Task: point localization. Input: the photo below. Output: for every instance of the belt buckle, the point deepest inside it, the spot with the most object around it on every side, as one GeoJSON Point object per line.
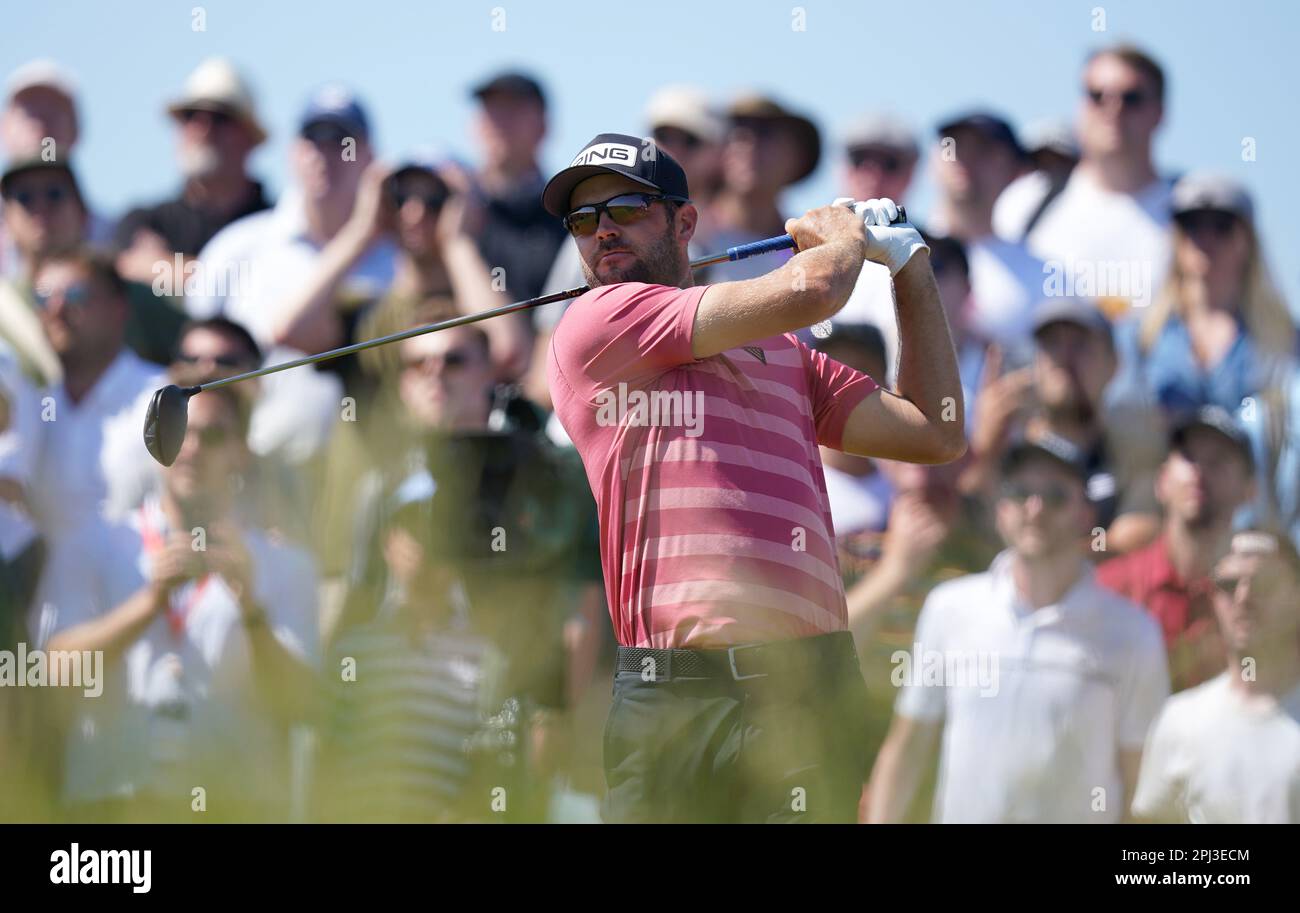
{"type": "Point", "coordinates": [731, 658]}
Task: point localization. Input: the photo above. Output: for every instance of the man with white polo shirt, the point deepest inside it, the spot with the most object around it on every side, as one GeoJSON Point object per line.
{"type": "Point", "coordinates": [737, 694]}
{"type": "Point", "coordinates": [208, 632]}
{"type": "Point", "coordinates": [1105, 229]}
{"type": "Point", "coordinates": [1228, 751]}
{"type": "Point", "coordinates": [83, 308]}
{"type": "Point", "coordinates": [1034, 684]}
{"type": "Point", "coordinates": [253, 265]}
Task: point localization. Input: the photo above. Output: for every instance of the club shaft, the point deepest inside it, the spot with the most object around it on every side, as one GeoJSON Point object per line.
{"type": "Point", "coordinates": [734, 253]}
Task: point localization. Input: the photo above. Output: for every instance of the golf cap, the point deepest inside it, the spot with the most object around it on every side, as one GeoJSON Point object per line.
{"type": "Point", "coordinates": [1078, 311]}
{"type": "Point", "coordinates": [215, 85]}
{"type": "Point", "coordinates": [685, 108]}
{"type": "Point", "coordinates": [638, 159]}
{"type": "Point", "coordinates": [335, 105]}
{"type": "Point", "coordinates": [1217, 419]}
{"type": "Point", "coordinates": [881, 130]}
{"type": "Point", "coordinates": [990, 125]}
{"type": "Point", "coordinates": [1048, 445]}
{"type": "Point", "coordinates": [1202, 190]}
{"type": "Point", "coordinates": [520, 85]}
{"type": "Point", "coordinates": [36, 163]}
{"type": "Point", "coordinates": [43, 73]}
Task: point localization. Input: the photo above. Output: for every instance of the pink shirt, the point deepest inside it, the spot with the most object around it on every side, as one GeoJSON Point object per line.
{"type": "Point", "coordinates": [714, 521]}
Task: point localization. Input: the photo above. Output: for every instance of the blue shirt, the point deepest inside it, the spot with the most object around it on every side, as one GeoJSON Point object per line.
{"type": "Point", "coordinates": [1170, 375]}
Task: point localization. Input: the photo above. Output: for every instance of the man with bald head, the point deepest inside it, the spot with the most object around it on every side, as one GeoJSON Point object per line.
{"type": "Point", "coordinates": [698, 414]}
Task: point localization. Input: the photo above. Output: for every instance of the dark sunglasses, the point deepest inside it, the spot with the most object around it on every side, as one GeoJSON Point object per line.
{"type": "Point", "coordinates": [324, 134]}
{"type": "Point", "coordinates": [887, 162]}
{"type": "Point", "coordinates": [1054, 496]}
{"type": "Point", "coordinates": [76, 295]}
{"type": "Point", "coordinates": [216, 118]}
{"type": "Point", "coordinates": [27, 198]}
{"type": "Point", "coordinates": [1128, 100]}
{"type": "Point", "coordinates": [1207, 221]}
{"type": "Point", "coordinates": [624, 209]}
{"type": "Point", "coordinates": [677, 137]}
{"type": "Point", "coordinates": [221, 361]}
{"type": "Point", "coordinates": [456, 358]}
{"type": "Point", "coordinates": [433, 200]}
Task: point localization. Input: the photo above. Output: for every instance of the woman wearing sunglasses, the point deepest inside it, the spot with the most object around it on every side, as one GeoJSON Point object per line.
{"type": "Point", "coordinates": [1219, 330]}
{"type": "Point", "coordinates": [431, 212]}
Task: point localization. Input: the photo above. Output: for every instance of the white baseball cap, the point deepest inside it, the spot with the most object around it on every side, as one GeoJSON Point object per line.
{"type": "Point", "coordinates": [215, 85]}
{"type": "Point", "coordinates": [44, 73]}
{"type": "Point", "coordinates": [686, 108]}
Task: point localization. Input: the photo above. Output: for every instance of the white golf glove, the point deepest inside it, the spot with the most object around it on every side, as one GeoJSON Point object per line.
{"type": "Point", "coordinates": [889, 245]}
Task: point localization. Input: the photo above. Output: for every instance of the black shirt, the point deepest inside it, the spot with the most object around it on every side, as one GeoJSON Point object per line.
{"type": "Point", "coordinates": [183, 226]}
{"type": "Point", "coordinates": [521, 236]}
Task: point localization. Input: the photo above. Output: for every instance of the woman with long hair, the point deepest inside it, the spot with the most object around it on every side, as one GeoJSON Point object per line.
{"type": "Point", "coordinates": [1219, 331]}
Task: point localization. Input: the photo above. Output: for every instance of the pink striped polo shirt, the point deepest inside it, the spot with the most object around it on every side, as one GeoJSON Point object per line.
{"type": "Point", "coordinates": [714, 522]}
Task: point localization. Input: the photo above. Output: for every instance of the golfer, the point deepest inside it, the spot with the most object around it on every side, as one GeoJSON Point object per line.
{"type": "Point", "coordinates": [697, 413]}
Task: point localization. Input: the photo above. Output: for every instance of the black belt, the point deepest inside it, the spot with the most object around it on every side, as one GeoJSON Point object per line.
{"type": "Point", "coordinates": [738, 663]}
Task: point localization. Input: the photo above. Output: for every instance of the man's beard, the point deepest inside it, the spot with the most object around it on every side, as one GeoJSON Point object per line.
{"type": "Point", "coordinates": [199, 162]}
{"type": "Point", "coordinates": [661, 264]}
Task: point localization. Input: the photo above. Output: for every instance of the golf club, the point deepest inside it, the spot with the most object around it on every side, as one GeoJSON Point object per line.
{"type": "Point", "coordinates": [168, 414]}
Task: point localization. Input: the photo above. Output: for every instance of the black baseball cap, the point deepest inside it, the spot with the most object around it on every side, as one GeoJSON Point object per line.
{"type": "Point", "coordinates": [1217, 419]}
{"type": "Point", "coordinates": [989, 124]}
{"type": "Point", "coordinates": [1049, 445]}
{"type": "Point", "coordinates": [36, 163]}
{"type": "Point", "coordinates": [518, 84]}
{"type": "Point", "coordinates": [633, 157]}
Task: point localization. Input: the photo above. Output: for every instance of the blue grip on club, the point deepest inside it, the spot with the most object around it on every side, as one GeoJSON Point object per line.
{"type": "Point", "coordinates": [781, 242]}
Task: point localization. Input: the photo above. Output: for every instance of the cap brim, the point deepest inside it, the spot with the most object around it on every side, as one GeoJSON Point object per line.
{"type": "Point", "coordinates": [34, 165]}
{"type": "Point", "coordinates": [352, 128]}
{"type": "Point", "coordinates": [555, 196]}
{"type": "Point", "coordinates": [1019, 453]}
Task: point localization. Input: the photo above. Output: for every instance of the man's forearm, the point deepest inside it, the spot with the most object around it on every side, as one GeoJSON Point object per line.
{"type": "Point", "coordinates": [927, 369]}
{"type": "Point", "coordinates": [116, 630]}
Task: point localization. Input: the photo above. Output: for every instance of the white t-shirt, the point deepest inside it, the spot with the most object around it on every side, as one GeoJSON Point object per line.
{"type": "Point", "coordinates": [872, 303]}
{"type": "Point", "coordinates": [1032, 733]}
{"type": "Point", "coordinates": [1096, 242]}
{"type": "Point", "coordinates": [250, 268]}
{"type": "Point", "coordinates": [857, 502]}
{"type": "Point", "coordinates": [88, 448]}
{"type": "Point", "coordinates": [1006, 284]}
{"type": "Point", "coordinates": [177, 710]}
{"type": "Point", "coordinates": [1219, 756]}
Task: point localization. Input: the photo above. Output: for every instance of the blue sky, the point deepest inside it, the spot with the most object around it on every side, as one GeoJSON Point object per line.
{"type": "Point", "coordinates": [1229, 66]}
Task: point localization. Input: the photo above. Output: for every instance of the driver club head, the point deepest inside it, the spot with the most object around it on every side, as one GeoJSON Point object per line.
{"type": "Point", "coordinates": [165, 422]}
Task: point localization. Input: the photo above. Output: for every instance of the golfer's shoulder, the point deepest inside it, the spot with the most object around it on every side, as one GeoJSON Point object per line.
{"type": "Point", "coordinates": [621, 298]}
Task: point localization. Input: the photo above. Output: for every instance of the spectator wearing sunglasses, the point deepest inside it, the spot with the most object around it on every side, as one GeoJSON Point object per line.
{"type": "Point", "coordinates": [44, 217]}
{"type": "Point", "coordinates": [1107, 223]}
{"type": "Point", "coordinates": [217, 129]}
{"type": "Point", "coordinates": [1219, 331]}
{"type": "Point", "coordinates": [880, 156]}
{"type": "Point", "coordinates": [208, 652]}
{"type": "Point", "coordinates": [428, 208]}
{"type": "Point", "coordinates": [40, 108]}
{"type": "Point", "coordinates": [1052, 732]}
{"type": "Point", "coordinates": [1228, 751]}
{"type": "Point", "coordinates": [256, 267]}
{"type": "Point", "coordinates": [767, 149]}
{"type": "Point", "coordinates": [1207, 476]}
{"type": "Point", "coordinates": [98, 403]}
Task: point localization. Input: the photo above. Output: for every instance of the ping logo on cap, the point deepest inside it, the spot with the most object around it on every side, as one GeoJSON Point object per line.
{"type": "Point", "coordinates": [619, 154]}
